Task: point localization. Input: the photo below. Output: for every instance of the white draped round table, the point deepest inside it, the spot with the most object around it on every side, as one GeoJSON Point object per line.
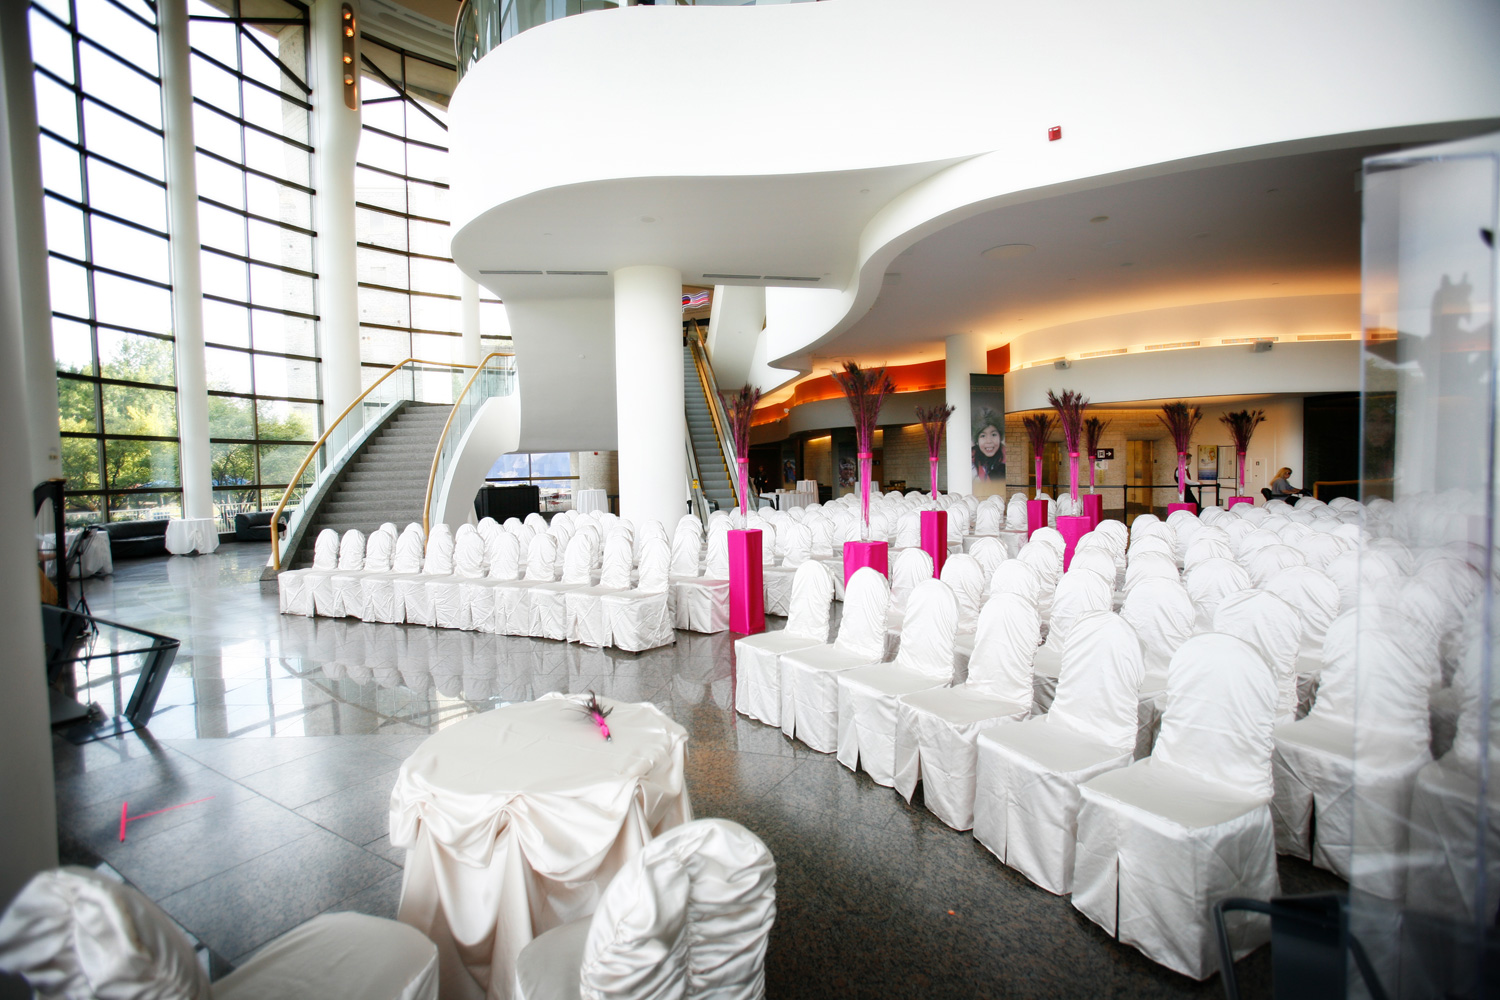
{"type": "Point", "coordinates": [515, 821]}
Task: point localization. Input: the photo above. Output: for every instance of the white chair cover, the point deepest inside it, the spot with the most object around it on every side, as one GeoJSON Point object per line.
{"type": "Point", "coordinates": [1015, 512]}
{"type": "Point", "coordinates": [1162, 615]}
{"type": "Point", "coordinates": [1093, 559]}
{"type": "Point", "coordinates": [1149, 565]}
{"type": "Point", "coordinates": [1080, 592]}
{"type": "Point", "coordinates": [1026, 793]}
{"type": "Point", "coordinates": [449, 609]}
{"type": "Point", "coordinates": [327, 600]}
{"type": "Point", "coordinates": [936, 729]}
{"type": "Point", "coordinates": [380, 601]}
{"type": "Point", "coordinates": [778, 579]}
{"type": "Point", "coordinates": [809, 682]}
{"type": "Point", "coordinates": [990, 554]}
{"type": "Point", "coordinates": [548, 602]}
{"type": "Point", "coordinates": [758, 657]}
{"type": "Point", "coordinates": [1274, 628]}
{"type": "Point", "coordinates": [1204, 549]}
{"type": "Point", "coordinates": [587, 622]}
{"type": "Point", "coordinates": [1372, 677]}
{"type": "Point", "coordinates": [686, 543]}
{"type": "Point", "coordinates": [1048, 566]}
{"type": "Point", "coordinates": [702, 603]}
{"type": "Point", "coordinates": [1151, 542]}
{"type": "Point", "coordinates": [1015, 577]}
{"type": "Point", "coordinates": [295, 586]}
{"type": "Point", "coordinates": [987, 519]}
{"type": "Point", "coordinates": [1210, 583]}
{"type": "Point", "coordinates": [867, 696]}
{"type": "Point", "coordinates": [412, 591]}
{"type": "Point", "coordinates": [639, 619]}
{"type": "Point", "coordinates": [1267, 563]}
{"type": "Point", "coordinates": [1162, 840]}
{"type": "Point", "coordinates": [348, 588]}
{"type": "Point", "coordinates": [502, 556]}
{"type": "Point", "coordinates": [908, 530]}
{"type": "Point", "coordinates": [690, 916]}
{"type": "Point", "coordinates": [512, 614]}
{"type": "Point", "coordinates": [966, 579]}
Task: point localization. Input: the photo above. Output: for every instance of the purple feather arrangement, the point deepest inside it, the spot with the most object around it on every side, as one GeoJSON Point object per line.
{"type": "Point", "coordinates": [1070, 406]}
{"type": "Point", "coordinates": [1180, 420]}
{"type": "Point", "coordinates": [1241, 426]}
{"type": "Point", "coordinates": [1038, 429]}
{"type": "Point", "coordinates": [934, 422]}
{"type": "Point", "coordinates": [597, 714]}
{"type": "Point", "coordinates": [1093, 433]}
{"type": "Point", "coordinates": [739, 407]}
{"type": "Point", "coordinates": [866, 389]}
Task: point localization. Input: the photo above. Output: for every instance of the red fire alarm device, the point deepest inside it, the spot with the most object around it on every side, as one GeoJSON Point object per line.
{"type": "Point", "coordinates": [1054, 133]}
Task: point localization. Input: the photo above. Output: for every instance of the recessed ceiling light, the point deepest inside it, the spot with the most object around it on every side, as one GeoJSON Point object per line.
{"type": "Point", "coordinates": [647, 218]}
{"type": "Point", "coordinates": [1272, 190]}
{"type": "Point", "coordinates": [1128, 263]}
{"type": "Point", "coordinates": [1008, 251]}
{"type": "Point", "coordinates": [1100, 218]}
{"type": "Point", "coordinates": [864, 190]}
{"type": "Point", "coordinates": [1201, 236]}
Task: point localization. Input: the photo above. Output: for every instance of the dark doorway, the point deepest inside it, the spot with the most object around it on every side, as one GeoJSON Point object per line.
{"type": "Point", "coordinates": [1330, 446]}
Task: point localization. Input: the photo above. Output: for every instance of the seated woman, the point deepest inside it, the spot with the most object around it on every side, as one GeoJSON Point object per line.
{"type": "Point", "coordinates": [1282, 489]}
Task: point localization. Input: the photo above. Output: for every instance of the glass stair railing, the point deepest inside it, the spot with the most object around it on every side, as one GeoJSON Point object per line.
{"type": "Point", "coordinates": [495, 376]}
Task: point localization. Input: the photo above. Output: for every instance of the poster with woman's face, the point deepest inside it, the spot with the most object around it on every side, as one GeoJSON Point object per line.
{"type": "Point", "coordinates": [987, 433]}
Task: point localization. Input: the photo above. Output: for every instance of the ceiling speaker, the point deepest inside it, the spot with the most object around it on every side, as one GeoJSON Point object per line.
{"type": "Point", "coordinates": [1065, 363]}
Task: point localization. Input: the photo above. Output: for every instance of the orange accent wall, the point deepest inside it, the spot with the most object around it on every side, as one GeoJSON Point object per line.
{"type": "Point", "coordinates": [997, 362]}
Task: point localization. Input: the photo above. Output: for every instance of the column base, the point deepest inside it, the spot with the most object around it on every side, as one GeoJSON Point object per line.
{"type": "Point", "coordinates": [747, 588]}
{"type": "Point", "coordinates": [1073, 527]}
{"type": "Point", "coordinates": [190, 534]}
{"type": "Point", "coordinates": [876, 555]}
{"type": "Point", "coordinates": [935, 538]}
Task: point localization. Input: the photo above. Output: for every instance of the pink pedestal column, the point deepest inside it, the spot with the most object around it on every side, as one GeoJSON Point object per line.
{"type": "Point", "coordinates": [1036, 516]}
{"type": "Point", "coordinates": [1093, 506]}
{"type": "Point", "coordinates": [1073, 527]}
{"type": "Point", "coordinates": [875, 555]}
{"type": "Point", "coordinates": [935, 538]}
{"type": "Point", "coordinates": [1234, 501]}
{"type": "Point", "coordinates": [747, 588]}
{"type": "Point", "coordinates": [1173, 508]}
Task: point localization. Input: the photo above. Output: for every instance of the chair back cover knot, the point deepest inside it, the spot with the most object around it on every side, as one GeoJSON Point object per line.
{"type": "Point", "coordinates": [326, 550]}
{"type": "Point", "coordinates": [503, 555]}
{"type": "Point", "coordinates": [468, 556]}
{"type": "Point", "coordinates": [965, 578]}
{"type": "Point", "coordinates": [1098, 685]}
{"type": "Point", "coordinates": [541, 557]}
{"type": "Point", "coordinates": [1004, 648]}
{"type": "Point", "coordinates": [690, 916]}
{"type": "Point", "coordinates": [439, 561]}
{"type": "Point", "coordinates": [1274, 628]}
{"type": "Point", "coordinates": [866, 602]}
{"type": "Point", "coordinates": [408, 558]}
{"type": "Point", "coordinates": [352, 551]}
{"type": "Point", "coordinates": [378, 551]}
{"type": "Point", "coordinates": [1221, 707]}
{"type": "Point", "coordinates": [1162, 615]}
{"type": "Point", "coordinates": [929, 630]}
{"type": "Point", "coordinates": [811, 603]}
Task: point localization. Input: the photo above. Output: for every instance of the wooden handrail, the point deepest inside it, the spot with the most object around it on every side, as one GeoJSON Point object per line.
{"type": "Point", "coordinates": [297, 477]}
{"type": "Point", "coordinates": [711, 397]}
{"type": "Point", "coordinates": [437, 452]}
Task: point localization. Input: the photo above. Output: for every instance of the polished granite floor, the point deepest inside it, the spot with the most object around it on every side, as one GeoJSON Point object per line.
{"type": "Point", "coordinates": [276, 742]}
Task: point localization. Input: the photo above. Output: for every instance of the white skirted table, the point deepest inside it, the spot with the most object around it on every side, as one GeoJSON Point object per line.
{"type": "Point", "coordinates": [515, 821]}
{"type": "Point", "coordinates": [189, 534]}
{"type": "Point", "coordinates": [787, 499]}
{"type": "Point", "coordinates": [588, 501]}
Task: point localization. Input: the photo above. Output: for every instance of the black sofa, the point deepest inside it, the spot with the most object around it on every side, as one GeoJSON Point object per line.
{"type": "Point", "coordinates": [255, 527]}
{"type": "Point", "coordinates": [137, 539]}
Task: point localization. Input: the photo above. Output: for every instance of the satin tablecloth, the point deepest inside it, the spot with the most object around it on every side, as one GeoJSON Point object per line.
{"type": "Point", "coordinates": [515, 821]}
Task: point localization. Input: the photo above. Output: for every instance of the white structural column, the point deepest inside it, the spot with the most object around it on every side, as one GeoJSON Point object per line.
{"type": "Point", "coordinates": [28, 820]}
{"type": "Point", "coordinates": [648, 394]}
{"type": "Point", "coordinates": [469, 301]}
{"type": "Point", "coordinates": [965, 357]}
{"type": "Point", "coordinates": [196, 529]}
{"type": "Point", "coordinates": [337, 143]}
{"type": "Point", "coordinates": [25, 192]}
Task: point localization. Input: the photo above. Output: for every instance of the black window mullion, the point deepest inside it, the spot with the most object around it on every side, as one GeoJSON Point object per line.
{"type": "Point", "coordinates": [244, 78]}
{"type": "Point", "coordinates": [252, 170]}
{"type": "Point", "coordinates": [258, 217]}
{"type": "Point", "coordinates": [285, 69]}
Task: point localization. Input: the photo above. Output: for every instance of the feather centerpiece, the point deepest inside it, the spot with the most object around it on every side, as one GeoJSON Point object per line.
{"type": "Point", "coordinates": [1241, 426]}
{"type": "Point", "coordinates": [1093, 433]}
{"type": "Point", "coordinates": [934, 422]}
{"type": "Point", "coordinates": [865, 389]}
{"type": "Point", "coordinates": [1070, 406]}
{"type": "Point", "coordinates": [1038, 429]}
{"type": "Point", "coordinates": [1180, 420]}
{"type": "Point", "coordinates": [739, 407]}
{"type": "Point", "coordinates": [597, 714]}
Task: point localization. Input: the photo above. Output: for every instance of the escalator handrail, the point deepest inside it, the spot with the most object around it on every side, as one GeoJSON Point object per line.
{"type": "Point", "coordinates": [716, 413]}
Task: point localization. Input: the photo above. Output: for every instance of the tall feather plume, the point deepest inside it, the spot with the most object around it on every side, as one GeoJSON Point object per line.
{"type": "Point", "coordinates": [934, 423]}
{"type": "Point", "coordinates": [1093, 433]}
{"type": "Point", "coordinates": [1038, 429]}
{"type": "Point", "coordinates": [1241, 426]}
{"type": "Point", "coordinates": [739, 407]}
{"type": "Point", "coordinates": [1180, 420]}
{"type": "Point", "coordinates": [866, 389]}
{"type": "Point", "coordinates": [1069, 406]}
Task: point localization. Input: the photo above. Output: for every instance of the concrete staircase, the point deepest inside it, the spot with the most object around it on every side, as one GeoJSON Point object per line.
{"type": "Point", "coordinates": [386, 481]}
{"type": "Point", "coordinates": [713, 476]}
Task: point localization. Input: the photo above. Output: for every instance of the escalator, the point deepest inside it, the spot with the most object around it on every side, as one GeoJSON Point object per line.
{"type": "Point", "coordinates": [712, 451]}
